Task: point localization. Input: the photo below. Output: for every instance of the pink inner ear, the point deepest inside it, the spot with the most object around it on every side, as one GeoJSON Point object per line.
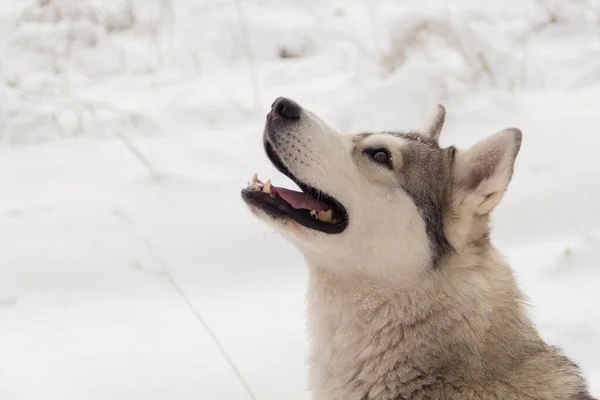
{"type": "Point", "coordinates": [484, 166]}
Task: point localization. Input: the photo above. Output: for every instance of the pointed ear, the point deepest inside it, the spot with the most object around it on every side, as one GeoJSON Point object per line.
{"type": "Point", "coordinates": [434, 128]}
{"type": "Point", "coordinates": [483, 172]}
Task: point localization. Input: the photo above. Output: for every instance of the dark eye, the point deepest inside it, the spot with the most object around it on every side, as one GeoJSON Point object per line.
{"type": "Point", "coordinates": [380, 156]}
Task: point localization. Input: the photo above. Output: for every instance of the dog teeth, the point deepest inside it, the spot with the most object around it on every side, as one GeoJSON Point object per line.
{"type": "Point", "coordinates": [253, 185]}
{"type": "Point", "coordinates": [267, 187]}
{"type": "Point", "coordinates": [324, 216]}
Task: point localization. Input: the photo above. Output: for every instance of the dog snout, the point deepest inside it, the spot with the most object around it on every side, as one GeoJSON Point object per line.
{"type": "Point", "coordinates": [285, 108]}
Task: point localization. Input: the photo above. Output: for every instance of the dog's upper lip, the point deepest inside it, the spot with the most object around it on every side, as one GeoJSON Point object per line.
{"type": "Point", "coordinates": [306, 188]}
{"type": "Point", "coordinates": [275, 158]}
{"type": "Point", "coordinates": [269, 132]}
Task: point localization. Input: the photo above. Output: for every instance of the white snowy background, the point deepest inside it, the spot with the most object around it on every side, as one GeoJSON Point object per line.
{"type": "Point", "coordinates": [128, 128]}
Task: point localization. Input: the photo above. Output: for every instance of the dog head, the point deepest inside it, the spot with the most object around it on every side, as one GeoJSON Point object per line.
{"type": "Point", "coordinates": [386, 205]}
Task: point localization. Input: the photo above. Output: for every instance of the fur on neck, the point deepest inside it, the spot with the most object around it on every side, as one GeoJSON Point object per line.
{"type": "Point", "coordinates": [462, 331]}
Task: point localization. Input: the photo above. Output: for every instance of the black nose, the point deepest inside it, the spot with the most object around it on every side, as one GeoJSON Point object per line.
{"type": "Point", "coordinates": [286, 108]}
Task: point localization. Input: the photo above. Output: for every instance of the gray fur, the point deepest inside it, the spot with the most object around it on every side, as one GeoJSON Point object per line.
{"type": "Point", "coordinates": [584, 395]}
{"type": "Point", "coordinates": [433, 201]}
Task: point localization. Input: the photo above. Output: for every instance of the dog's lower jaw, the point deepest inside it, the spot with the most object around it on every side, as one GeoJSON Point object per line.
{"type": "Point", "coordinates": [461, 334]}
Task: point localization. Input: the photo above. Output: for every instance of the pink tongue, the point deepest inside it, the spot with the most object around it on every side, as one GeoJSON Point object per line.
{"type": "Point", "coordinates": [301, 200]}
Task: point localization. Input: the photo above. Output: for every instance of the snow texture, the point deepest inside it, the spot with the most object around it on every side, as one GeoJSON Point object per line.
{"type": "Point", "coordinates": [128, 128]}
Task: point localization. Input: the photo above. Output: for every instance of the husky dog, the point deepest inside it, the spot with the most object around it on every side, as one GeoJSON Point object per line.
{"type": "Point", "coordinates": [407, 297]}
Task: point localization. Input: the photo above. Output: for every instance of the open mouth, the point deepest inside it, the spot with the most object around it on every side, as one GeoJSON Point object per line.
{"type": "Point", "coordinates": [309, 207]}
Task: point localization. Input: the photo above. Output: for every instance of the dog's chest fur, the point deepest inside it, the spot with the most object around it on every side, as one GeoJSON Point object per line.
{"type": "Point", "coordinates": [459, 338]}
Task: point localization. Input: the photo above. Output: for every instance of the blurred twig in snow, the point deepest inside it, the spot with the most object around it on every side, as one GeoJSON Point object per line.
{"type": "Point", "coordinates": [3, 113]}
{"type": "Point", "coordinates": [370, 4]}
{"type": "Point", "coordinates": [164, 272]}
{"type": "Point", "coordinates": [252, 64]}
{"type": "Point", "coordinates": [139, 155]}
{"type": "Point", "coordinates": [169, 277]}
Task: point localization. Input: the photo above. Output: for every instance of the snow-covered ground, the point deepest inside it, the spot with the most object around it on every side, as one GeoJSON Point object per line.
{"type": "Point", "coordinates": [107, 258]}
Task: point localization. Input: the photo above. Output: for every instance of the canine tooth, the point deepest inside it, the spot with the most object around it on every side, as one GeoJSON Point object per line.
{"type": "Point", "coordinates": [255, 178]}
{"type": "Point", "coordinates": [267, 187]}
